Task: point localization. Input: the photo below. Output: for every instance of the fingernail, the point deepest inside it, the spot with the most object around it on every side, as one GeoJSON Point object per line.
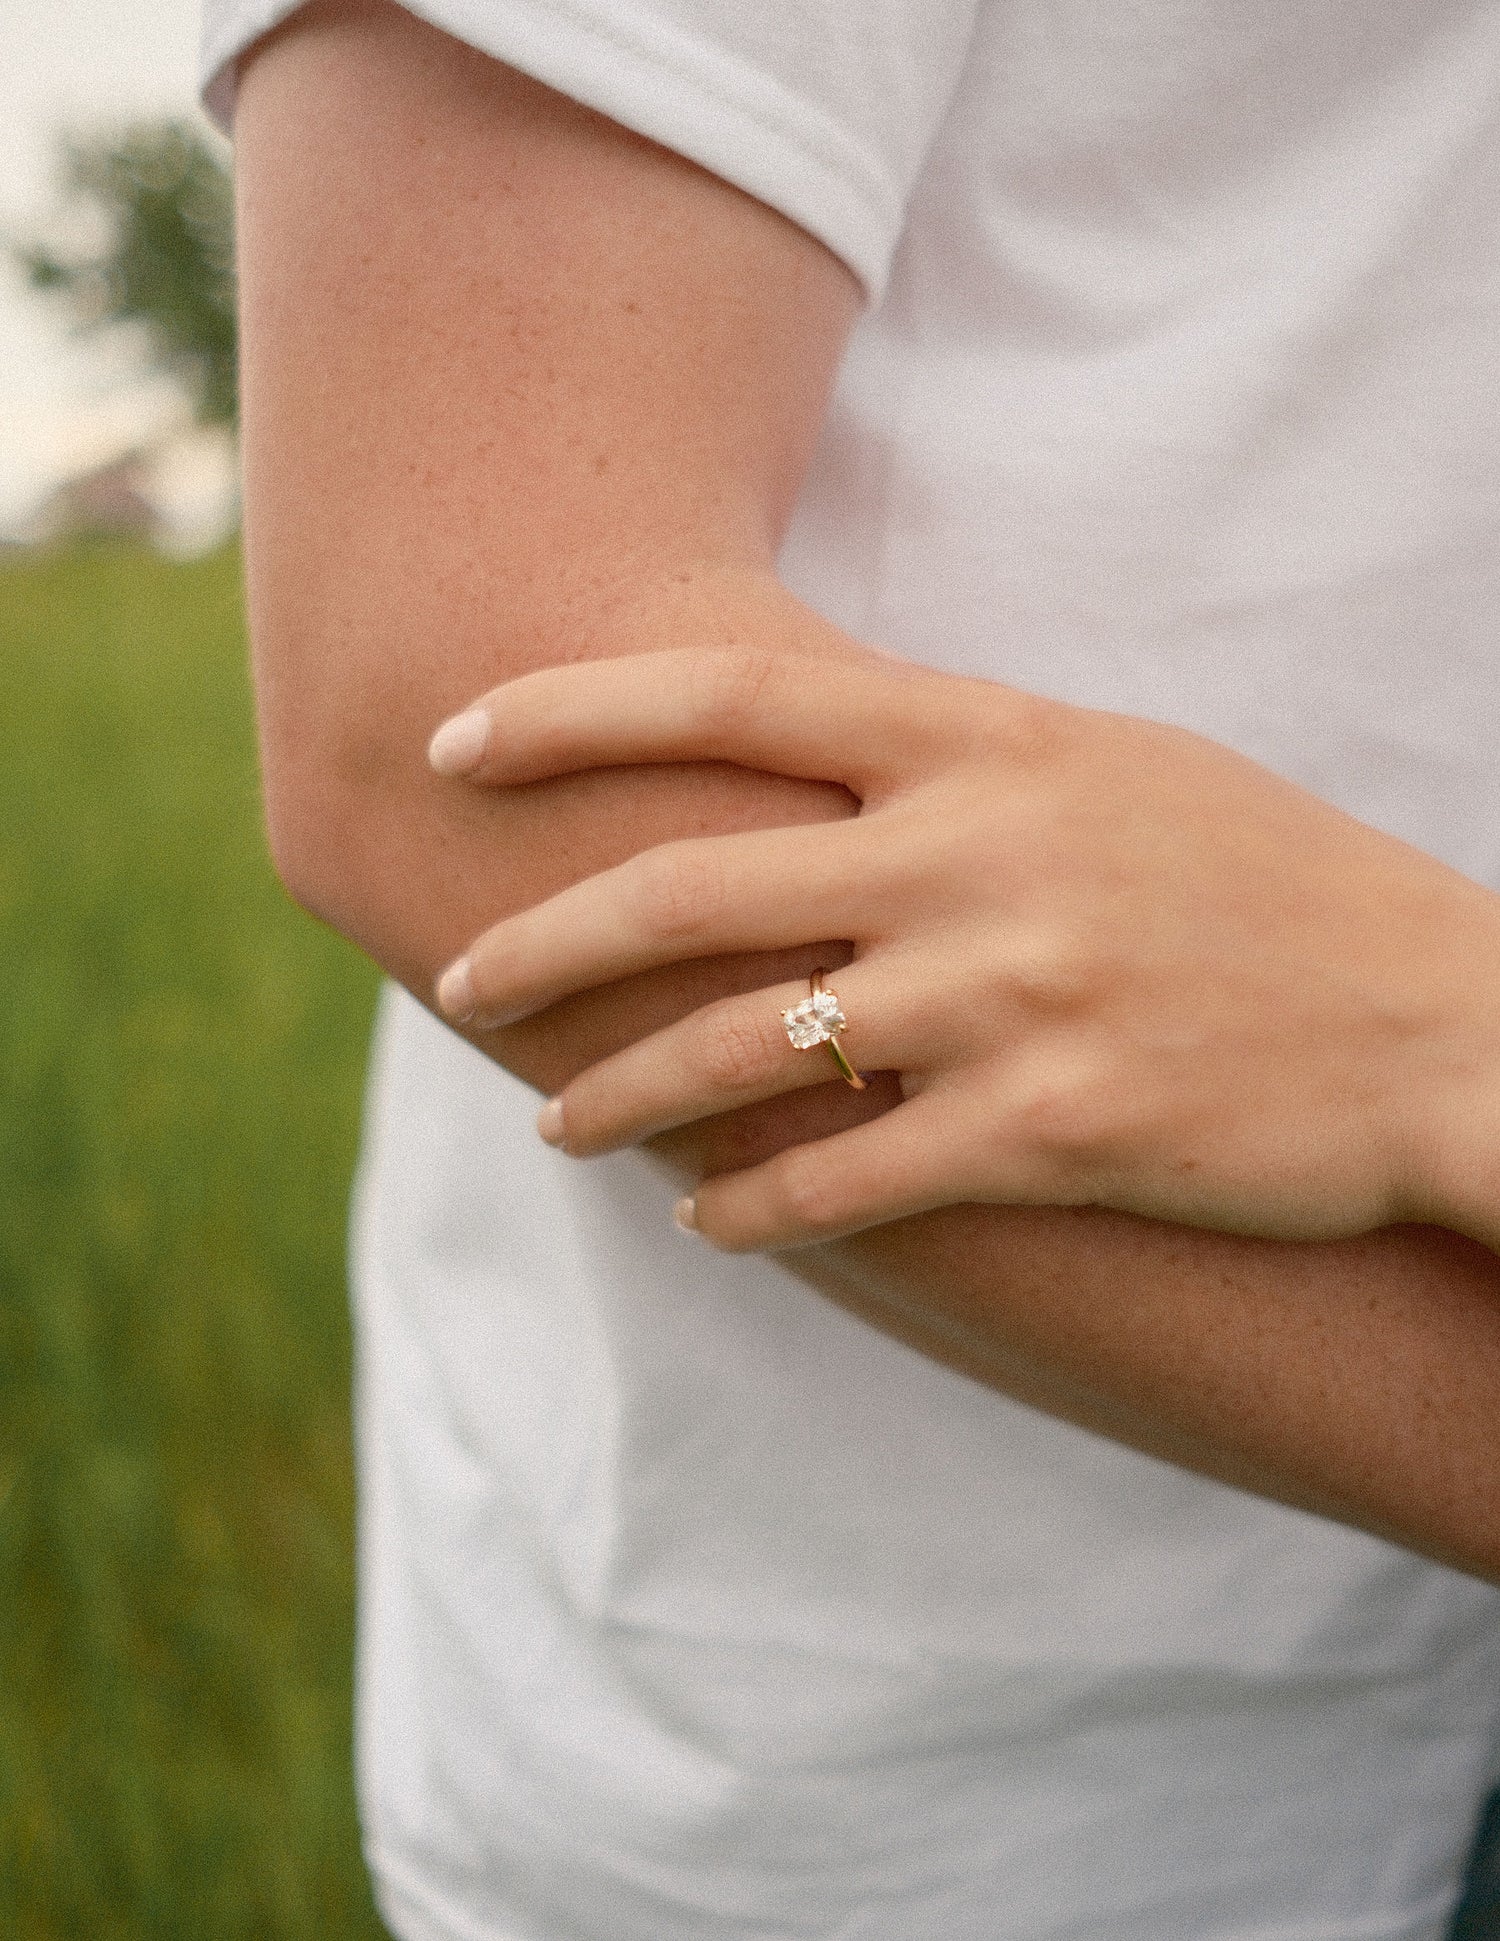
{"type": "Point", "coordinates": [458, 746]}
{"type": "Point", "coordinates": [685, 1213]}
{"type": "Point", "coordinates": [455, 992]}
{"type": "Point", "coordinates": [549, 1122]}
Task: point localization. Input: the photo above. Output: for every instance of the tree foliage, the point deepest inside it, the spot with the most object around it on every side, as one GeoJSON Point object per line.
{"type": "Point", "coordinates": [165, 257]}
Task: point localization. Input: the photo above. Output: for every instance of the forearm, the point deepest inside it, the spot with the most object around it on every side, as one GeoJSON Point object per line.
{"type": "Point", "coordinates": [507, 402]}
{"type": "Point", "coordinates": [1357, 1379]}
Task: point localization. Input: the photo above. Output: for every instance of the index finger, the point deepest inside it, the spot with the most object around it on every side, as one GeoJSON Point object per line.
{"type": "Point", "coordinates": [824, 717]}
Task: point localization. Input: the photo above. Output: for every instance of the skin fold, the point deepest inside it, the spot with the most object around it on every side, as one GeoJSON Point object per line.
{"type": "Point", "coordinates": [522, 390]}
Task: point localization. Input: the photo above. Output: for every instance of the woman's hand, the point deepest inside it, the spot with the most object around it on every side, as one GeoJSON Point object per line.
{"type": "Point", "coordinates": [1113, 963]}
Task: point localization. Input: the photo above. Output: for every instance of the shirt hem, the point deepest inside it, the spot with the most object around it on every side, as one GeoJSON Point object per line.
{"type": "Point", "coordinates": [743, 126]}
{"type": "Point", "coordinates": [414, 1912]}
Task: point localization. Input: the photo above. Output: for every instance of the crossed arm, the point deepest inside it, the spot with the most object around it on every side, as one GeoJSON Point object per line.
{"type": "Point", "coordinates": [521, 388]}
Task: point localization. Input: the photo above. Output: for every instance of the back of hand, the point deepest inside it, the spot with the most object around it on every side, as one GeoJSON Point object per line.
{"type": "Point", "coordinates": [1112, 962]}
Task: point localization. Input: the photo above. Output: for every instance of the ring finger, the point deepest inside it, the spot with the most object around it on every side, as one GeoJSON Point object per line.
{"type": "Point", "coordinates": [729, 1054]}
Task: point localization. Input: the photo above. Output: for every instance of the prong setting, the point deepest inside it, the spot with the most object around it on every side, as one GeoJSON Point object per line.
{"type": "Point", "coordinates": [818, 1020]}
{"type": "Point", "coordinates": [814, 1021]}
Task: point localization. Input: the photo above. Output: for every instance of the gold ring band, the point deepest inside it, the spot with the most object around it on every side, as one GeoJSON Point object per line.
{"type": "Point", "coordinates": [818, 1020]}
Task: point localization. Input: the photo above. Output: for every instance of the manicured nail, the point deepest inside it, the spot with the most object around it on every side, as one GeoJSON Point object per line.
{"type": "Point", "coordinates": [549, 1122]}
{"type": "Point", "coordinates": [685, 1213]}
{"type": "Point", "coordinates": [458, 746]}
{"type": "Point", "coordinates": [455, 992]}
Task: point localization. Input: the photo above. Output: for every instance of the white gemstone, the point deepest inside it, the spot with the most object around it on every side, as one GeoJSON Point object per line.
{"type": "Point", "coordinates": [814, 1020]}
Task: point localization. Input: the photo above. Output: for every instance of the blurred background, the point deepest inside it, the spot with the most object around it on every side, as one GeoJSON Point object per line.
{"type": "Point", "coordinates": [181, 1059]}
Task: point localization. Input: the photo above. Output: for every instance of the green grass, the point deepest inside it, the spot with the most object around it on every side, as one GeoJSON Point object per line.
{"type": "Point", "coordinates": [180, 1065]}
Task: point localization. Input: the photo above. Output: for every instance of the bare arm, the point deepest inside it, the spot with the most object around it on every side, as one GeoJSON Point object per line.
{"type": "Point", "coordinates": [520, 388]}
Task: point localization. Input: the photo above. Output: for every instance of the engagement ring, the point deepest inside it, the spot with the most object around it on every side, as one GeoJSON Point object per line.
{"type": "Point", "coordinates": [818, 1020]}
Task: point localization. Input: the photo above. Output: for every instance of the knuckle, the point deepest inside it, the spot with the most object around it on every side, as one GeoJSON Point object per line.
{"type": "Point", "coordinates": [679, 892]}
{"type": "Point", "coordinates": [1049, 980]}
{"type": "Point", "coordinates": [1027, 730]}
{"type": "Point", "coordinates": [806, 1192]}
{"type": "Point", "coordinates": [737, 1048]}
{"type": "Point", "coordinates": [727, 685]}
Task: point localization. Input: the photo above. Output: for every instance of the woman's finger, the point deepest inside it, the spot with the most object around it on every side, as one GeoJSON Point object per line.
{"type": "Point", "coordinates": [848, 718]}
{"type": "Point", "coordinates": [732, 1053]}
{"type": "Point", "coordinates": [760, 890]}
{"type": "Point", "coordinates": [915, 1158]}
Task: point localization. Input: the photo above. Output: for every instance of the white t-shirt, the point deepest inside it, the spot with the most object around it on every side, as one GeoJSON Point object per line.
{"type": "Point", "coordinates": [693, 1607]}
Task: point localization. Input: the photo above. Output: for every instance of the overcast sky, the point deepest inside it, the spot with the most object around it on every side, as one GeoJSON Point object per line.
{"type": "Point", "coordinates": [70, 64]}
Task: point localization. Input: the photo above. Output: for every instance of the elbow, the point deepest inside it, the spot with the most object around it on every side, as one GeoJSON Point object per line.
{"type": "Point", "coordinates": [362, 834]}
{"type": "Point", "coordinates": [355, 665]}
{"type": "Point", "coordinates": [365, 847]}
{"type": "Point", "coordinates": [326, 790]}
{"type": "Point", "coordinates": [308, 834]}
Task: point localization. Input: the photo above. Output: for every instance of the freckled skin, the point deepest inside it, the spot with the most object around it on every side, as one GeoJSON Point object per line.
{"type": "Point", "coordinates": [522, 388]}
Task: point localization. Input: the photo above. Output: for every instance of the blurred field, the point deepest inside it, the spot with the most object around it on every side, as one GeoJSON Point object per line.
{"type": "Point", "coordinates": [180, 1066]}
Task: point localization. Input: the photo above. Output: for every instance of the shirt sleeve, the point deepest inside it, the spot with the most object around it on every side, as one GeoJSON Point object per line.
{"type": "Point", "coordinates": [825, 109]}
